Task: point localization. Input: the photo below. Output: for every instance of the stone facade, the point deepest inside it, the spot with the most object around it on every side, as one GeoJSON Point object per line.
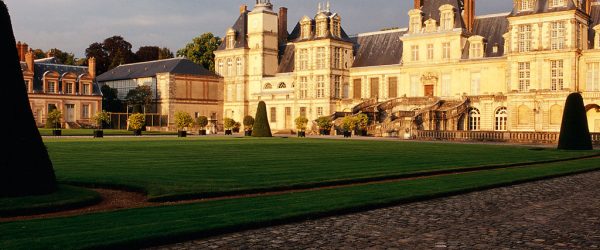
{"type": "Point", "coordinates": [449, 70]}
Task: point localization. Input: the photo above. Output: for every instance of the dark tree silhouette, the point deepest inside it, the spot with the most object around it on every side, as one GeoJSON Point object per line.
{"type": "Point", "coordinates": [261, 126]}
{"type": "Point", "coordinates": [25, 167]}
{"type": "Point", "coordinates": [152, 53]}
{"type": "Point", "coordinates": [574, 131]}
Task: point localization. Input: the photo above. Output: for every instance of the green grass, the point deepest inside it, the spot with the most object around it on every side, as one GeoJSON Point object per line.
{"type": "Point", "coordinates": [141, 227]}
{"type": "Point", "coordinates": [107, 132]}
{"type": "Point", "coordinates": [171, 167]}
{"type": "Point", "coordinates": [64, 198]}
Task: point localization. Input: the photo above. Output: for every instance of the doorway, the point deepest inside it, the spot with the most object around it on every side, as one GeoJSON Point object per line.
{"type": "Point", "coordinates": [288, 117]}
{"type": "Point", "coordinates": [429, 90]}
{"type": "Point", "coordinates": [70, 116]}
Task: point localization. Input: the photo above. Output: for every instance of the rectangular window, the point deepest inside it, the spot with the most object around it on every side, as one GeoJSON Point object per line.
{"type": "Point", "coordinates": [526, 5]}
{"type": "Point", "coordinates": [346, 91]}
{"type": "Point", "coordinates": [525, 38]}
{"type": "Point", "coordinates": [415, 53]}
{"type": "Point", "coordinates": [51, 87]}
{"type": "Point", "coordinates": [447, 20]}
{"type": "Point", "coordinates": [69, 88]}
{"type": "Point", "coordinates": [579, 35]}
{"type": "Point", "coordinates": [321, 58]}
{"type": "Point", "coordinates": [303, 59]}
{"type": "Point", "coordinates": [475, 83]}
{"type": "Point", "coordinates": [393, 87]}
{"type": "Point", "coordinates": [374, 87]}
{"type": "Point", "coordinates": [593, 76]}
{"type": "Point", "coordinates": [337, 55]}
{"type": "Point", "coordinates": [303, 87]}
{"type": "Point", "coordinates": [239, 68]}
{"type": "Point", "coordinates": [524, 76]}
{"type": "Point", "coordinates": [557, 3]}
{"type": "Point", "coordinates": [476, 50]}
{"type": "Point", "coordinates": [320, 86]}
{"type": "Point", "coordinates": [558, 35]}
{"type": "Point", "coordinates": [85, 111]}
{"type": "Point", "coordinates": [337, 86]}
{"type": "Point", "coordinates": [273, 114]}
{"type": "Point", "coordinates": [319, 111]}
{"type": "Point", "coordinates": [303, 111]}
{"type": "Point", "coordinates": [446, 51]}
{"type": "Point", "coordinates": [446, 87]}
{"type": "Point", "coordinates": [414, 85]}
{"type": "Point", "coordinates": [415, 24]}
{"type": "Point", "coordinates": [430, 52]}
{"type": "Point", "coordinates": [357, 89]}
{"type": "Point", "coordinates": [86, 89]}
{"type": "Point", "coordinates": [557, 74]}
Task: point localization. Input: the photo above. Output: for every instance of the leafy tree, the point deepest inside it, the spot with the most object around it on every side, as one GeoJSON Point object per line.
{"type": "Point", "coordinates": [574, 131]}
{"type": "Point", "coordinates": [228, 123]}
{"type": "Point", "coordinates": [110, 100]}
{"type": "Point", "coordinates": [324, 123]}
{"type": "Point", "coordinates": [39, 54]}
{"type": "Point", "coordinates": [261, 126]}
{"type": "Point", "coordinates": [25, 167]}
{"type": "Point", "coordinates": [53, 119]}
{"type": "Point", "coordinates": [362, 121]}
{"type": "Point", "coordinates": [152, 53]}
{"type": "Point", "coordinates": [109, 54]}
{"type": "Point", "coordinates": [202, 121]}
{"type": "Point", "coordinates": [136, 121]}
{"type": "Point", "coordinates": [201, 50]}
{"type": "Point", "coordinates": [63, 57]}
{"type": "Point", "coordinates": [349, 123]}
{"type": "Point", "coordinates": [183, 120]}
{"type": "Point", "coordinates": [301, 122]}
{"type": "Point", "coordinates": [140, 98]}
{"type": "Point", "coordinates": [248, 122]}
{"type": "Point", "coordinates": [165, 53]}
{"type": "Point", "coordinates": [97, 51]}
{"type": "Point", "coordinates": [101, 118]}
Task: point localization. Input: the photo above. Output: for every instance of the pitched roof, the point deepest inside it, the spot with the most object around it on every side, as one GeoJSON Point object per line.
{"type": "Point", "coordinates": [41, 68]}
{"type": "Point", "coordinates": [295, 34]}
{"type": "Point", "coordinates": [241, 32]}
{"type": "Point", "coordinates": [286, 59]}
{"type": "Point", "coordinates": [595, 20]}
{"type": "Point", "coordinates": [431, 9]}
{"type": "Point", "coordinates": [148, 69]}
{"type": "Point", "coordinates": [491, 28]}
{"type": "Point", "coordinates": [543, 6]}
{"type": "Point", "coordinates": [378, 48]}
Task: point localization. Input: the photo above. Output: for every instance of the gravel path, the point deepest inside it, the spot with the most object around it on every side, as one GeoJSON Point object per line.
{"type": "Point", "coordinates": [562, 213]}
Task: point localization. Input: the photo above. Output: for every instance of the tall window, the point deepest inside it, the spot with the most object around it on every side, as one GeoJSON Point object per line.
{"type": "Point", "coordinates": [475, 83]}
{"type": "Point", "coordinates": [220, 68]}
{"type": "Point", "coordinates": [51, 87]}
{"type": "Point", "coordinates": [303, 87]}
{"type": "Point", "coordinates": [556, 67]}
{"type": "Point", "coordinates": [346, 91]}
{"type": "Point", "coordinates": [229, 67]}
{"type": "Point", "coordinates": [320, 86]}
{"type": "Point", "coordinates": [357, 89]}
{"type": "Point", "coordinates": [524, 76]}
{"type": "Point", "coordinates": [429, 51]}
{"type": "Point", "coordinates": [393, 87]}
{"type": "Point", "coordinates": [557, 3]}
{"type": "Point", "coordinates": [446, 84]}
{"type": "Point", "coordinates": [337, 86]}
{"type": "Point", "coordinates": [446, 50]}
{"type": "Point", "coordinates": [579, 35]}
{"type": "Point", "coordinates": [85, 111]}
{"type": "Point", "coordinates": [415, 52]}
{"type": "Point", "coordinates": [476, 50]}
{"type": "Point", "coordinates": [69, 88]}
{"type": "Point", "coordinates": [319, 111]}
{"type": "Point", "coordinates": [335, 28]}
{"type": "Point", "coordinates": [303, 59]}
{"type": "Point", "coordinates": [239, 69]}
{"type": "Point", "coordinates": [306, 30]}
{"type": "Point", "coordinates": [86, 89]}
{"type": "Point", "coordinates": [415, 24]}
{"type": "Point", "coordinates": [337, 52]}
{"type": "Point", "coordinates": [558, 35]}
{"type": "Point", "coordinates": [525, 38]}
{"type": "Point", "coordinates": [447, 20]}
{"type": "Point", "coordinates": [321, 58]}
{"type": "Point", "coordinates": [231, 41]}
{"type": "Point", "coordinates": [593, 76]}
{"type": "Point", "coordinates": [273, 114]}
{"type": "Point", "coordinates": [414, 85]}
{"type": "Point", "coordinates": [526, 5]}
{"type": "Point", "coordinates": [474, 119]}
{"type": "Point", "coordinates": [322, 28]}
{"type": "Point", "coordinates": [501, 119]}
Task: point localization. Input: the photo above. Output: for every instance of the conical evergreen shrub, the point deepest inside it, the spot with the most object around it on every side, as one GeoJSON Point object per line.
{"type": "Point", "coordinates": [261, 126]}
{"type": "Point", "coordinates": [574, 131]}
{"type": "Point", "coordinates": [25, 168]}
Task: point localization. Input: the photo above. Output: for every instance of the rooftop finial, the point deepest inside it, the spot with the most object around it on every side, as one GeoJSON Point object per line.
{"type": "Point", "coordinates": [328, 6]}
{"type": "Point", "coordinates": [319, 8]}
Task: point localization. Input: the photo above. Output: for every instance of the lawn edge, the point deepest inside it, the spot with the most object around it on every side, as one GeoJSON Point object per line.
{"type": "Point", "coordinates": [27, 211]}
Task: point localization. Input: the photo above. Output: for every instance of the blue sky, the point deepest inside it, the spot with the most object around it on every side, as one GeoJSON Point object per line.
{"type": "Point", "coordinates": [72, 25]}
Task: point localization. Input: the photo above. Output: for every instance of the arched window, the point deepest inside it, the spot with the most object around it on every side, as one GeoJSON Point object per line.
{"type": "Point", "coordinates": [220, 67]}
{"type": "Point", "coordinates": [501, 119]}
{"type": "Point", "coordinates": [229, 67]}
{"type": "Point", "coordinates": [268, 86]}
{"type": "Point", "coordinates": [239, 69]}
{"type": "Point", "coordinates": [282, 85]}
{"type": "Point", "coordinates": [474, 120]}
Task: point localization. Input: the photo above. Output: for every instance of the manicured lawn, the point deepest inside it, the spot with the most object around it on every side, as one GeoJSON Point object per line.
{"type": "Point", "coordinates": [140, 227]}
{"type": "Point", "coordinates": [65, 197]}
{"type": "Point", "coordinates": [107, 132]}
{"type": "Point", "coordinates": [171, 167]}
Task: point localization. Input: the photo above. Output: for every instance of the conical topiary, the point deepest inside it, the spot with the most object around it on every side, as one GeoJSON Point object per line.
{"type": "Point", "coordinates": [25, 167]}
{"type": "Point", "coordinates": [261, 126]}
{"type": "Point", "coordinates": [574, 132]}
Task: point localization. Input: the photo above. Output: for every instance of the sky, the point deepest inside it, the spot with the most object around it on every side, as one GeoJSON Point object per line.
{"type": "Point", "coordinates": [72, 25]}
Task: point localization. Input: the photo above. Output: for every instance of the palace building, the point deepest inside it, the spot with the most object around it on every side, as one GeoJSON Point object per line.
{"type": "Point", "coordinates": [70, 89]}
{"type": "Point", "coordinates": [449, 70]}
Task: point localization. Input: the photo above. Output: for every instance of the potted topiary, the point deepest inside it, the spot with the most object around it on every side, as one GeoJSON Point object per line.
{"type": "Point", "coordinates": [136, 123]}
{"type": "Point", "coordinates": [53, 122]}
{"type": "Point", "coordinates": [362, 121]}
{"type": "Point", "coordinates": [183, 120]}
{"type": "Point", "coordinates": [228, 124]}
{"type": "Point", "coordinates": [100, 118]}
{"type": "Point", "coordinates": [348, 124]}
{"type": "Point", "coordinates": [236, 127]}
{"type": "Point", "coordinates": [248, 123]}
{"type": "Point", "coordinates": [325, 124]}
{"type": "Point", "coordinates": [301, 126]}
{"type": "Point", "coordinates": [202, 121]}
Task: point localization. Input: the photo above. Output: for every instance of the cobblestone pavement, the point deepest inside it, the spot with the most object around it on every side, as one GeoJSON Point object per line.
{"type": "Point", "coordinates": [561, 213]}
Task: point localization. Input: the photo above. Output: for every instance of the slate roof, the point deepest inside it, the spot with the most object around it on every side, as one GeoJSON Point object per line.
{"type": "Point", "coordinates": [378, 48]}
{"type": "Point", "coordinates": [492, 28]}
{"type": "Point", "coordinates": [595, 20]}
{"type": "Point", "coordinates": [431, 9]}
{"type": "Point", "coordinates": [543, 6]}
{"type": "Point", "coordinates": [241, 32]}
{"type": "Point", "coordinates": [41, 68]}
{"type": "Point", "coordinates": [148, 69]}
{"type": "Point", "coordinates": [286, 59]}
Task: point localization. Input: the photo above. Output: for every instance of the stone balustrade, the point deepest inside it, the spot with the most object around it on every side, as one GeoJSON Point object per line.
{"type": "Point", "coordinates": [496, 136]}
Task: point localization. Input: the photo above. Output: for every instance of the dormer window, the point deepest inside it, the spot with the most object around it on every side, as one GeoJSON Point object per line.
{"type": "Point", "coordinates": [430, 25]}
{"type": "Point", "coordinates": [51, 87]}
{"type": "Point", "coordinates": [476, 47]}
{"type": "Point", "coordinates": [557, 3]}
{"type": "Point", "coordinates": [597, 37]}
{"type": "Point", "coordinates": [306, 28]}
{"type": "Point", "coordinates": [321, 26]}
{"type": "Point", "coordinates": [416, 21]}
{"type": "Point", "coordinates": [336, 29]}
{"type": "Point", "coordinates": [230, 39]}
{"type": "Point", "coordinates": [526, 5]}
{"type": "Point", "coordinates": [447, 17]}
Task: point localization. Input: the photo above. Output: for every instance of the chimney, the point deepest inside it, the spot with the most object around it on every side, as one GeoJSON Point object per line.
{"type": "Point", "coordinates": [283, 23]}
{"type": "Point", "coordinates": [25, 49]}
{"type": "Point", "coordinates": [92, 67]}
{"type": "Point", "coordinates": [29, 60]}
{"type": "Point", "coordinates": [469, 14]}
{"type": "Point", "coordinates": [243, 8]}
{"type": "Point", "coordinates": [19, 50]}
{"type": "Point", "coordinates": [418, 4]}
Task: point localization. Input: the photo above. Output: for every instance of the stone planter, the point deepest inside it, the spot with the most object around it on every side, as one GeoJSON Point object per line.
{"type": "Point", "coordinates": [347, 134]}
{"type": "Point", "coordinates": [248, 133]}
{"type": "Point", "coordinates": [202, 132]}
{"type": "Point", "coordinates": [325, 132]}
{"type": "Point", "coordinates": [236, 130]}
{"type": "Point", "coordinates": [98, 134]}
{"type": "Point", "coordinates": [56, 132]}
{"type": "Point", "coordinates": [301, 134]}
{"type": "Point", "coordinates": [228, 132]}
{"type": "Point", "coordinates": [137, 132]}
{"type": "Point", "coordinates": [181, 133]}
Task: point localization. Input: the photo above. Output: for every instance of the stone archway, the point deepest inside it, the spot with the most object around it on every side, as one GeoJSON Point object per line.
{"type": "Point", "coordinates": [593, 116]}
